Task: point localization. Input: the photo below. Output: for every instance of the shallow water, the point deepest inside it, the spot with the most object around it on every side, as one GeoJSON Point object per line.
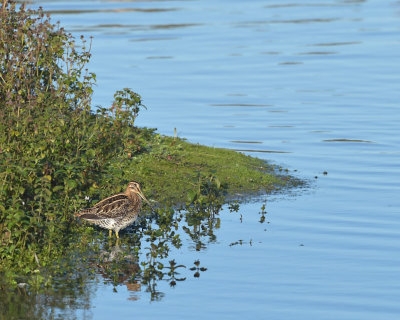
{"type": "Point", "coordinates": [310, 85]}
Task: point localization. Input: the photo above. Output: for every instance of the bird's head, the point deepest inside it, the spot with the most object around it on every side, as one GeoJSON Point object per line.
{"type": "Point", "coordinates": [134, 188]}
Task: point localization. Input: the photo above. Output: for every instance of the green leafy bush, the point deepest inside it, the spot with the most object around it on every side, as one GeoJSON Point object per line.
{"type": "Point", "coordinates": [54, 151]}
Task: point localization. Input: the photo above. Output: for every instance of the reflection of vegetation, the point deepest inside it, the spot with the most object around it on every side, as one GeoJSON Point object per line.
{"type": "Point", "coordinates": [173, 273]}
{"type": "Point", "coordinates": [197, 268]}
{"type": "Point", "coordinates": [142, 258]}
{"type": "Point", "coordinates": [72, 286]}
{"type": "Point", "coordinates": [159, 233]}
{"type": "Point", "coordinates": [202, 210]}
{"type": "Point", "coordinates": [57, 155]}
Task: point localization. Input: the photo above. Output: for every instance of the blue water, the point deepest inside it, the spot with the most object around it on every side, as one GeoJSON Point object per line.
{"type": "Point", "coordinates": [316, 84]}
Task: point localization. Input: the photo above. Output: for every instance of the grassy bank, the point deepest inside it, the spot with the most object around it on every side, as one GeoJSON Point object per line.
{"type": "Point", "coordinates": [172, 170]}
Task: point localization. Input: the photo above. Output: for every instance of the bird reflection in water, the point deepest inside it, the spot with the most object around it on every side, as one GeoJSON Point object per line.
{"type": "Point", "coordinates": [119, 267]}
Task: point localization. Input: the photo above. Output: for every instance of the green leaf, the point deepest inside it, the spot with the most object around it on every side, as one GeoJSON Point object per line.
{"type": "Point", "coordinates": [58, 188]}
{"type": "Point", "coordinates": [71, 184]}
{"type": "Point", "coordinates": [192, 196]}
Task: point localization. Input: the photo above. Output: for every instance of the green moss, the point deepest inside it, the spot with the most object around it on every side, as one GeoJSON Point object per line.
{"type": "Point", "coordinates": [171, 170]}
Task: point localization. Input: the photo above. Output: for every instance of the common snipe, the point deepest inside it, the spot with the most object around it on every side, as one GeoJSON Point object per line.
{"type": "Point", "coordinates": [116, 212]}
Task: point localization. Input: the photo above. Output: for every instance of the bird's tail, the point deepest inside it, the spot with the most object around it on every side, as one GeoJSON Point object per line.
{"type": "Point", "coordinates": [82, 212]}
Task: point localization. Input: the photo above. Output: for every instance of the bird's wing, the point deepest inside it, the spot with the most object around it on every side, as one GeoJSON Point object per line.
{"type": "Point", "coordinates": [119, 196]}
{"type": "Point", "coordinates": [111, 207]}
{"type": "Point", "coordinates": [115, 209]}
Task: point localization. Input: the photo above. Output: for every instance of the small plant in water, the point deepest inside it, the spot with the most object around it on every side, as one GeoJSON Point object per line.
{"type": "Point", "coordinates": [263, 212]}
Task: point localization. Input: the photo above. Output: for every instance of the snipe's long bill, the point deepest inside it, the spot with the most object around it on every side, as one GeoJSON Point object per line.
{"type": "Point", "coordinates": [116, 212]}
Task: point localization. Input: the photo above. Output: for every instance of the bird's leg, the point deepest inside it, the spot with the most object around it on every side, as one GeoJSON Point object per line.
{"type": "Point", "coordinates": [116, 233]}
{"type": "Point", "coordinates": [110, 233]}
